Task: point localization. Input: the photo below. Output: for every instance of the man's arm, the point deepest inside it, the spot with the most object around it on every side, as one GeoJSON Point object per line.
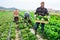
{"type": "Point", "coordinates": [47, 12]}
{"type": "Point", "coordinates": [36, 13]}
{"type": "Point", "coordinates": [37, 10]}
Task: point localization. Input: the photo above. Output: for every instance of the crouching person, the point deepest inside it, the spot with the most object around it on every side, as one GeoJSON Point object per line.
{"type": "Point", "coordinates": [27, 17]}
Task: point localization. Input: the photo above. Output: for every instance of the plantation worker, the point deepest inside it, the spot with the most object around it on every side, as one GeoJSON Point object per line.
{"type": "Point", "coordinates": [42, 11]}
{"type": "Point", "coordinates": [27, 17]}
{"type": "Point", "coordinates": [16, 14]}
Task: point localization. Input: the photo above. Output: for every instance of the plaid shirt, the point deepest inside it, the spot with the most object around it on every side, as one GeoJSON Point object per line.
{"type": "Point", "coordinates": [42, 11]}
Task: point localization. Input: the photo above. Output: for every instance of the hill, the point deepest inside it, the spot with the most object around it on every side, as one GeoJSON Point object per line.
{"type": "Point", "coordinates": [11, 9]}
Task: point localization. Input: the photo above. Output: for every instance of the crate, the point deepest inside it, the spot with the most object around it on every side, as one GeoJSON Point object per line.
{"type": "Point", "coordinates": [42, 21]}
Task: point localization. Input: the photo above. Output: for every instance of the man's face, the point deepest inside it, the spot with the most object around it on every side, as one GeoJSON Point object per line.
{"type": "Point", "coordinates": [42, 4]}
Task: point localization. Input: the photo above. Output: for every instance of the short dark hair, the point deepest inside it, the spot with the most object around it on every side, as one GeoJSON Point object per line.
{"type": "Point", "coordinates": [42, 2]}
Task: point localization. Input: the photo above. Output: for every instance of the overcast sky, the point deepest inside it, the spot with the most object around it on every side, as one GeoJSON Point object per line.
{"type": "Point", "coordinates": [30, 4]}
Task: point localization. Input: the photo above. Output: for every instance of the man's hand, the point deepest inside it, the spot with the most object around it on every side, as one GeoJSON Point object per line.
{"type": "Point", "coordinates": [34, 16]}
{"type": "Point", "coordinates": [48, 18]}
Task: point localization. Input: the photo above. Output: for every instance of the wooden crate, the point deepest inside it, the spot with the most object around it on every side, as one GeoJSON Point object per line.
{"type": "Point", "coordinates": [42, 21]}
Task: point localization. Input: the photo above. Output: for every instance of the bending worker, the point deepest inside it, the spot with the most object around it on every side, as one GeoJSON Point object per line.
{"type": "Point", "coordinates": [42, 11]}
{"type": "Point", "coordinates": [27, 17]}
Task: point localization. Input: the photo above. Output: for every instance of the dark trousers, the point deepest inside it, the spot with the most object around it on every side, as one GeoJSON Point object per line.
{"type": "Point", "coordinates": [37, 25]}
{"type": "Point", "coordinates": [16, 19]}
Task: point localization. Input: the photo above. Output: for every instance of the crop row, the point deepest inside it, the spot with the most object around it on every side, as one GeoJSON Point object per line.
{"type": "Point", "coordinates": [7, 27]}
{"type": "Point", "coordinates": [52, 30]}
{"type": "Point", "coordinates": [25, 32]}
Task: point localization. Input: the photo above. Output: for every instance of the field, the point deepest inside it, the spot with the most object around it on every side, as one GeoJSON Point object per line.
{"type": "Point", "coordinates": [10, 31]}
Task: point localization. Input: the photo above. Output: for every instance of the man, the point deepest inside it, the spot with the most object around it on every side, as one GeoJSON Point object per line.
{"type": "Point", "coordinates": [27, 17]}
{"type": "Point", "coordinates": [42, 11]}
{"type": "Point", "coordinates": [16, 15]}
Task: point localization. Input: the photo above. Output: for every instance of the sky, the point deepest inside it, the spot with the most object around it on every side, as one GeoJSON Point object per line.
{"type": "Point", "coordinates": [30, 4]}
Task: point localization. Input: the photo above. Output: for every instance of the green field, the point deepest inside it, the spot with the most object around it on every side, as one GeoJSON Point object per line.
{"type": "Point", "coordinates": [8, 27]}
